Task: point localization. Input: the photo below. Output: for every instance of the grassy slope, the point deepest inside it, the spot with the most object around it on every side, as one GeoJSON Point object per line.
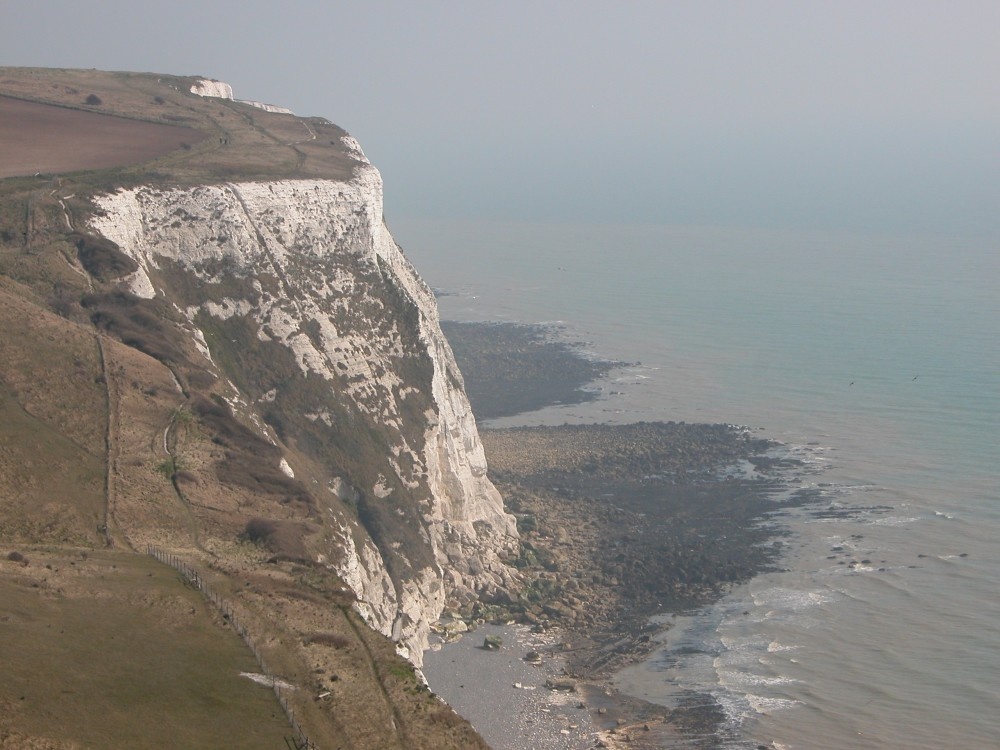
{"type": "Point", "coordinates": [100, 647]}
{"type": "Point", "coordinates": [85, 425]}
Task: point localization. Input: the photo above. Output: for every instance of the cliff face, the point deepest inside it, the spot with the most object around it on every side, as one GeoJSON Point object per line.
{"type": "Point", "coordinates": [215, 352]}
{"type": "Point", "coordinates": [322, 337]}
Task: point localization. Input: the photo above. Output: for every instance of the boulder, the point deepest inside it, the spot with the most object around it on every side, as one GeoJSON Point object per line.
{"type": "Point", "coordinates": [566, 684]}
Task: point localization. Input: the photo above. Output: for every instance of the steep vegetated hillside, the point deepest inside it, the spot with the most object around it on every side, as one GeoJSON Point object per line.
{"type": "Point", "coordinates": [213, 346]}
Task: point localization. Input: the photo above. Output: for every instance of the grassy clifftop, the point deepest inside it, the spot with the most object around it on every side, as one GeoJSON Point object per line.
{"type": "Point", "coordinates": [146, 128]}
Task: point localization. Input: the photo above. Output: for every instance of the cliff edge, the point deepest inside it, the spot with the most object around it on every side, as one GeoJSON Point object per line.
{"type": "Point", "coordinates": [217, 352]}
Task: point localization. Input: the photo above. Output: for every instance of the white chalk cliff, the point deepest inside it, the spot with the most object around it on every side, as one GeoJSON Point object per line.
{"type": "Point", "coordinates": [310, 267]}
{"type": "Point", "coordinates": [220, 90]}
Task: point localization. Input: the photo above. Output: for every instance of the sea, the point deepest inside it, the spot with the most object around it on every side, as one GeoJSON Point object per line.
{"type": "Point", "coordinates": [875, 361]}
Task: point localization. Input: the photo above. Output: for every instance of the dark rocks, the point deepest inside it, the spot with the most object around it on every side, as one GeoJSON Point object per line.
{"type": "Point", "coordinates": [564, 684]}
{"type": "Point", "coordinates": [641, 520]}
{"type": "Point", "coordinates": [557, 610]}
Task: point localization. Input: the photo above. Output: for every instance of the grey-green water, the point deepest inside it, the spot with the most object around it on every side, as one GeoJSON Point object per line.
{"type": "Point", "coordinates": [875, 359]}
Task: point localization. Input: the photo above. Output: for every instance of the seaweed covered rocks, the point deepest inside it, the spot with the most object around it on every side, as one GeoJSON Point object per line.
{"type": "Point", "coordinates": [620, 522]}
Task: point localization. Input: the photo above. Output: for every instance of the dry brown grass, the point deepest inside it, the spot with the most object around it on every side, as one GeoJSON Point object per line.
{"type": "Point", "coordinates": [51, 428]}
{"type": "Point", "coordinates": [371, 697]}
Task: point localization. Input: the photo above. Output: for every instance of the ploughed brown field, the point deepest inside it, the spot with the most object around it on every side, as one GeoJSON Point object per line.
{"type": "Point", "coordinates": [45, 138]}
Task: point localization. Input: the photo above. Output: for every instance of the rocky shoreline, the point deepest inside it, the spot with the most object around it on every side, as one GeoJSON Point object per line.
{"type": "Point", "coordinates": [623, 522]}
{"type": "Point", "coordinates": [620, 523]}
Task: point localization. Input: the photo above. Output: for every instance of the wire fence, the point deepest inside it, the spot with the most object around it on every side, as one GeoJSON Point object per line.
{"type": "Point", "coordinates": [279, 686]}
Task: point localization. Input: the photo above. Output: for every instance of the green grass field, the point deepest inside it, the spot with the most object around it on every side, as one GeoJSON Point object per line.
{"type": "Point", "coordinates": [114, 651]}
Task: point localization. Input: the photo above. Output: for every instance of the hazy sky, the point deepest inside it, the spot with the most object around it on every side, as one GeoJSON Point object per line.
{"type": "Point", "coordinates": [857, 115]}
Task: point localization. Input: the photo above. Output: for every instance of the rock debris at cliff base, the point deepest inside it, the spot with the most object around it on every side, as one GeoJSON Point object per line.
{"type": "Point", "coordinates": [622, 522]}
{"type": "Point", "coordinates": [618, 523]}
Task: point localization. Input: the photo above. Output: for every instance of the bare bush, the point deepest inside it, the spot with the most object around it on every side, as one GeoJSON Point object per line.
{"type": "Point", "coordinates": [259, 530]}
{"type": "Point", "coordinates": [334, 640]}
{"type": "Point", "coordinates": [102, 258]}
{"type": "Point", "coordinates": [139, 323]}
{"type": "Point", "coordinates": [286, 539]}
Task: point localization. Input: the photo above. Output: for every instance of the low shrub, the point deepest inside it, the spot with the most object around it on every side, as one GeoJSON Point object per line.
{"type": "Point", "coordinates": [259, 530]}
{"type": "Point", "coordinates": [286, 539]}
{"type": "Point", "coordinates": [334, 640]}
{"type": "Point", "coordinates": [139, 323]}
{"type": "Point", "coordinates": [167, 467]}
{"type": "Point", "coordinates": [102, 258]}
